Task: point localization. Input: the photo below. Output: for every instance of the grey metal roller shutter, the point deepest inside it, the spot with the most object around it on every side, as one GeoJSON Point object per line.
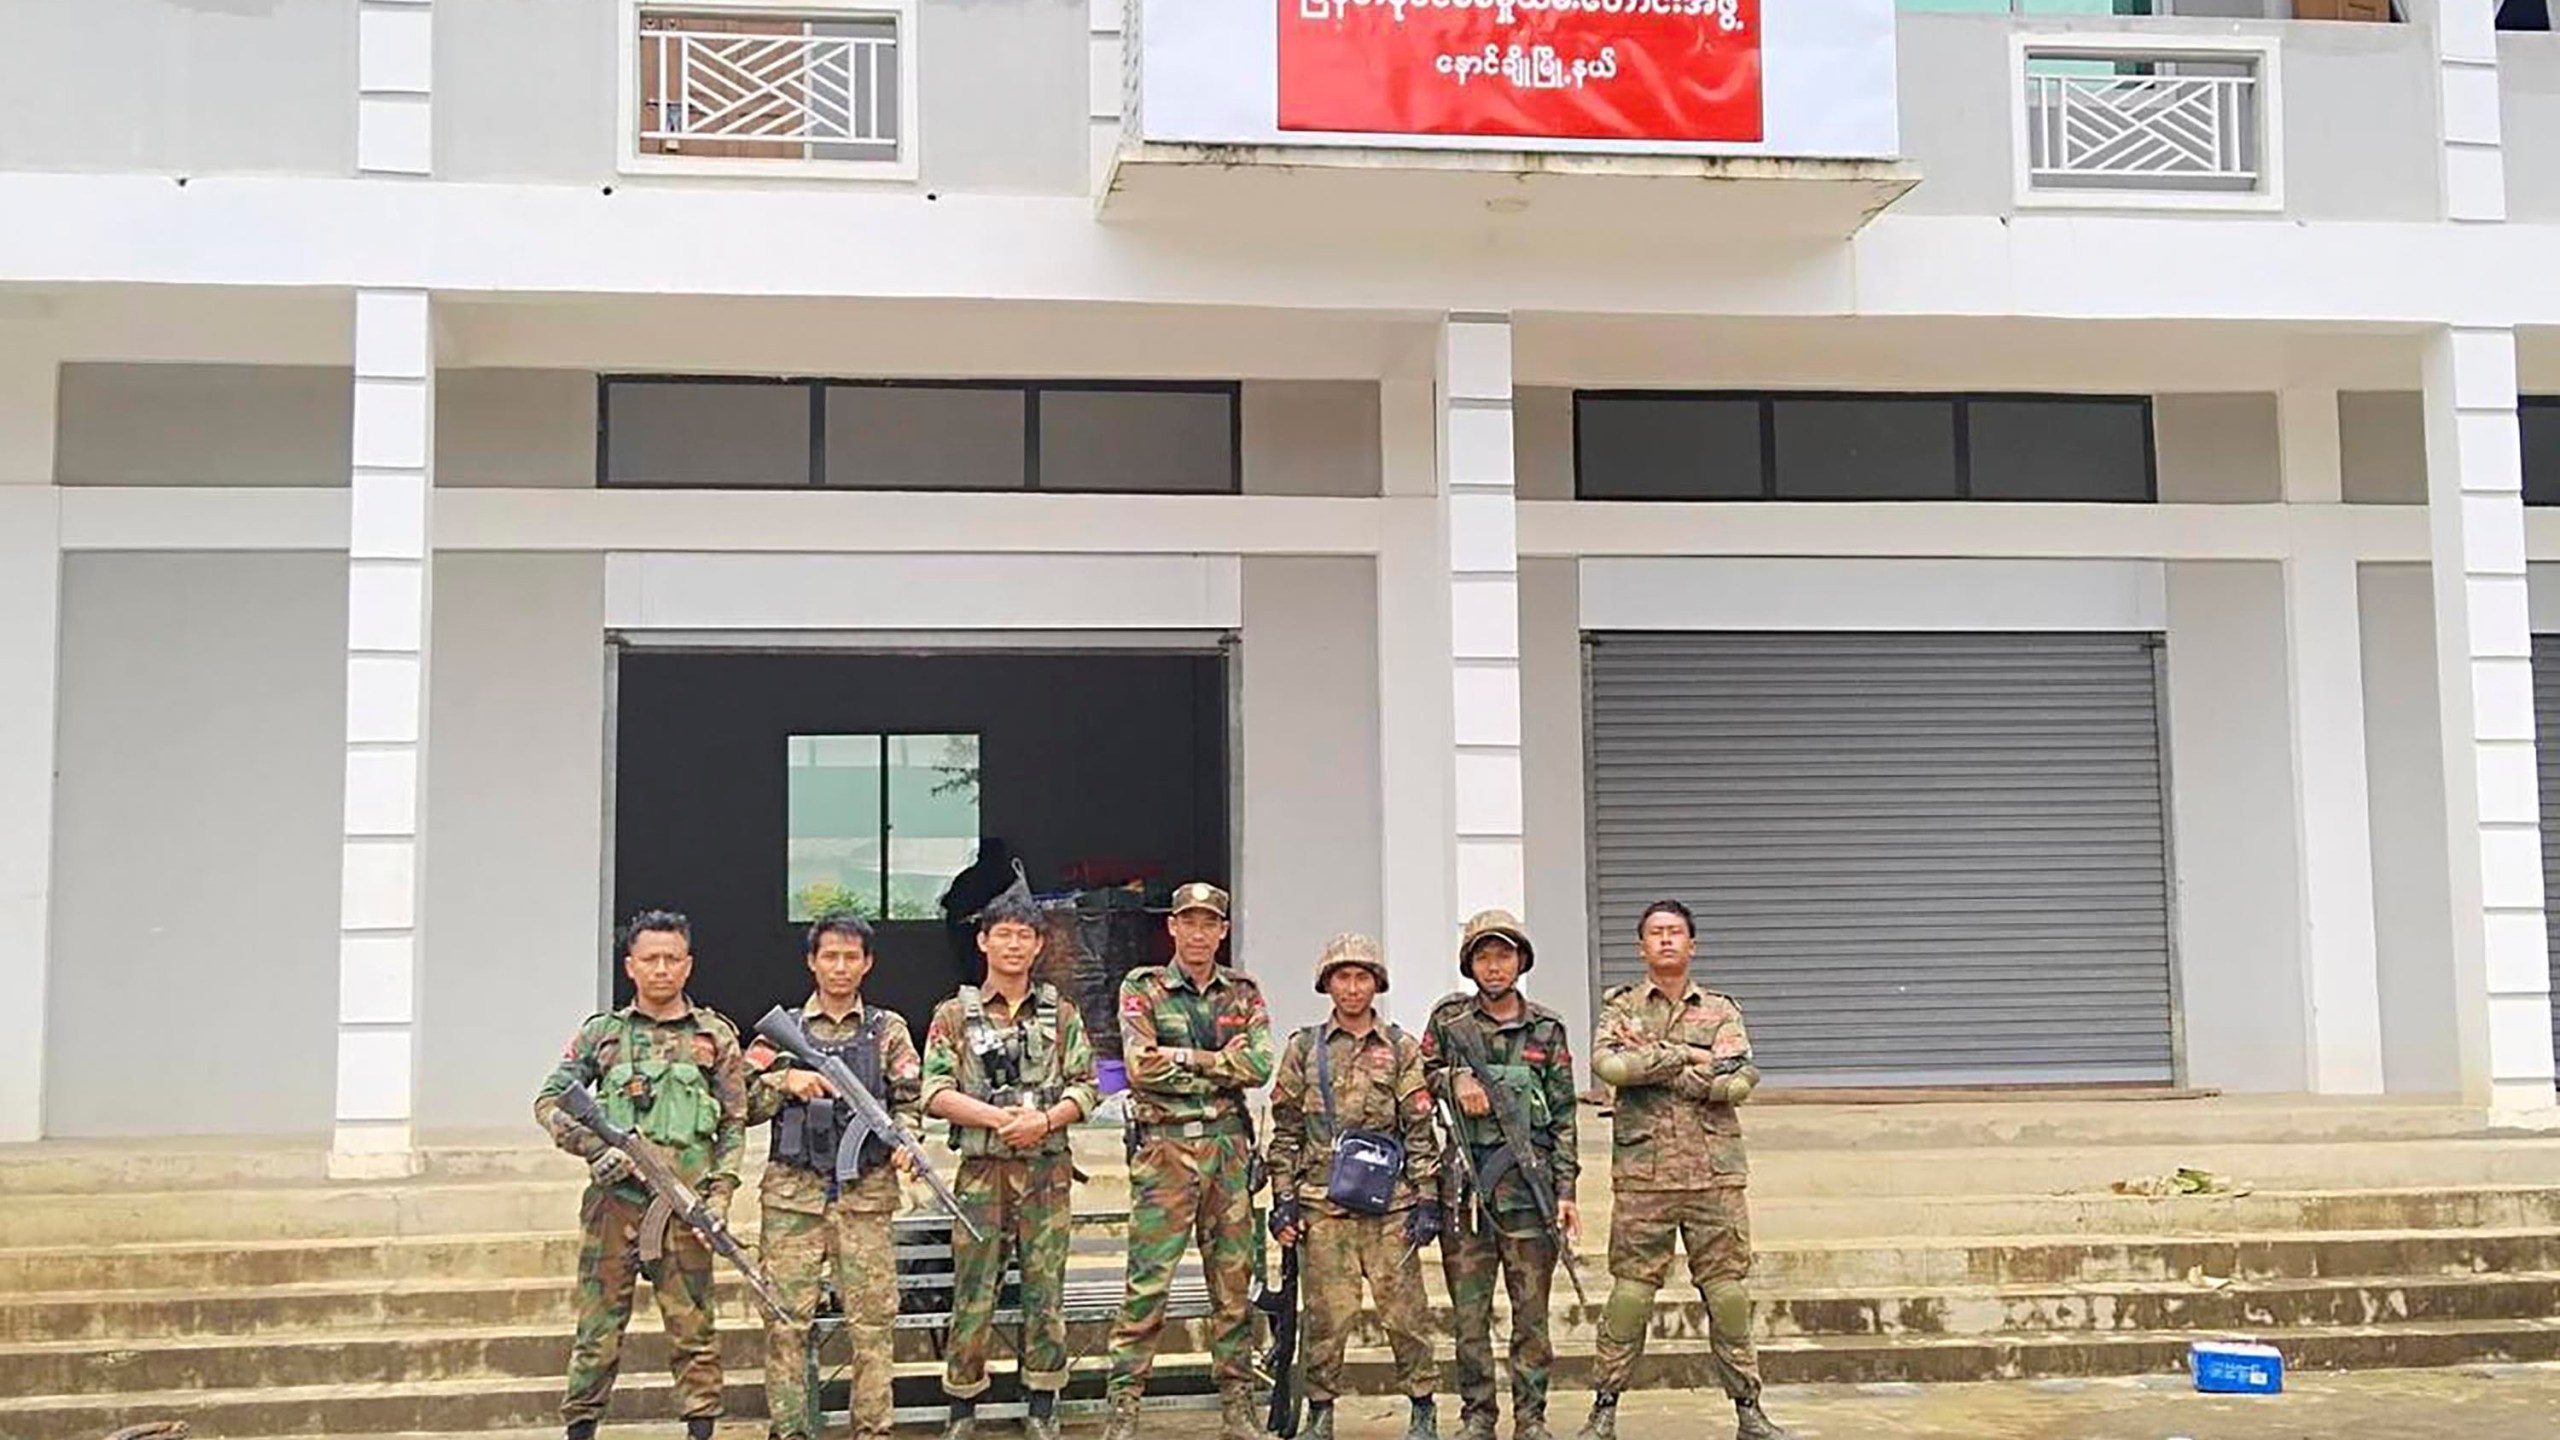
{"type": "Point", "coordinates": [1915, 859]}
{"type": "Point", "coordinates": [2546, 753]}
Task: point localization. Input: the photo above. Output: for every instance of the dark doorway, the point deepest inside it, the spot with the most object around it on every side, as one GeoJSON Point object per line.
{"type": "Point", "coordinates": [1084, 764]}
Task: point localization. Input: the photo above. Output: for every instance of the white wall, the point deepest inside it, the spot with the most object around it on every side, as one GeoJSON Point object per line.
{"type": "Point", "coordinates": [196, 842]}
{"type": "Point", "coordinates": [1311, 859]}
{"type": "Point", "coordinates": [2412, 904]}
{"type": "Point", "coordinates": [2239, 932]}
{"type": "Point", "coordinates": [1551, 755]}
{"type": "Point", "coordinates": [514, 829]}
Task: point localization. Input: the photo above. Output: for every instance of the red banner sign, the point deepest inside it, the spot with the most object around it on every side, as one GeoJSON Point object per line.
{"type": "Point", "coordinates": [1553, 69]}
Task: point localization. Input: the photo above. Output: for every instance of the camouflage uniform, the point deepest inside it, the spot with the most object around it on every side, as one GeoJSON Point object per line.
{"type": "Point", "coordinates": [1378, 1085]}
{"type": "Point", "coordinates": [807, 1221]}
{"type": "Point", "coordinates": [1535, 1052]}
{"type": "Point", "coordinates": [678, 1082]}
{"type": "Point", "coordinates": [1677, 1177]}
{"type": "Point", "coordinates": [1193, 1153]}
{"type": "Point", "coordinates": [1021, 1197]}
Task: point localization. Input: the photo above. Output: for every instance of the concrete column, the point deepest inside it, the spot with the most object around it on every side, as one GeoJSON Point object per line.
{"type": "Point", "coordinates": [395, 81]}
{"type": "Point", "coordinates": [387, 610]}
{"type": "Point", "coordinates": [2475, 177]}
{"type": "Point", "coordinates": [1415, 720]}
{"type": "Point", "coordinates": [2484, 671]}
{"type": "Point", "coordinates": [30, 633]}
{"type": "Point", "coordinates": [1483, 659]}
{"type": "Point", "coordinates": [2324, 664]}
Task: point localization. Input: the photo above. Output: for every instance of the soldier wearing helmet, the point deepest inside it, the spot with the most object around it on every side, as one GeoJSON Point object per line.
{"type": "Point", "coordinates": [1527, 1051]}
{"type": "Point", "coordinates": [1355, 1166]}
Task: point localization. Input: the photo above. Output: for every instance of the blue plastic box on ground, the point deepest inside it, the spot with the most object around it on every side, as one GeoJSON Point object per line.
{"type": "Point", "coordinates": [2232, 1367]}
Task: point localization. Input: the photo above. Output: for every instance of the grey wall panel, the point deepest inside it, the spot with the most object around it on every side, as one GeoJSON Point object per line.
{"type": "Point", "coordinates": [204, 425]}
{"type": "Point", "coordinates": [1002, 95]}
{"type": "Point", "coordinates": [2382, 447]}
{"type": "Point", "coordinates": [1558, 828]}
{"type": "Point", "coordinates": [1311, 437]}
{"type": "Point", "coordinates": [1955, 94]}
{"type": "Point", "coordinates": [186, 87]}
{"type": "Point", "coordinates": [515, 826]}
{"type": "Point", "coordinates": [197, 814]}
{"type": "Point", "coordinates": [1542, 442]}
{"type": "Point", "coordinates": [1915, 858]}
{"type": "Point", "coordinates": [2360, 123]}
{"type": "Point", "coordinates": [2404, 780]}
{"type": "Point", "coordinates": [2217, 449]}
{"type": "Point", "coordinates": [526, 90]}
{"type": "Point", "coordinates": [533, 428]}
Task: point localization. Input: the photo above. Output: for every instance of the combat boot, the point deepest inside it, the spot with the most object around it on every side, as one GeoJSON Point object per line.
{"type": "Point", "coordinates": [1530, 1427]}
{"type": "Point", "coordinates": [1603, 1424]}
{"type": "Point", "coordinates": [1423, 1423]}
{"type": "Point", "coordinates": [1477, 1425]}
{"type": "Point", "coordinates": [1319, 1421]}
{"type": "Point", "coordinates": [582, 1430]}
{"type": "Point", "coordinates": [963, 1424]}
{"type": "Point", "coordinates": [699, 1427]}
{"type": "Point", "coordinates": [1123, 1424]}
{"type": "Point", "coordinates": [1041, 1423]}
{"type": "Point", "coordinates": [1752, 1423]}
{"type": "Point", "coordinates": [1237, 1419]}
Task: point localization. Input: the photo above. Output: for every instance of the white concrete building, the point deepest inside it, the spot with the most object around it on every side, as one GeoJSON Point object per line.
{"type": "Point", "coordinates": [2040, 547]}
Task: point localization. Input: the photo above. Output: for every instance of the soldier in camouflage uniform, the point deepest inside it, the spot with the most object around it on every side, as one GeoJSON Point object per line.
{"type": "Point", "coordinates": [1009, 1065]}
{"type": "Point", "coordinates": [1367, 1077]}
{"type": "Point", "coordinates": [809, 1220]}
{"type": "Point", "coordinates": [1196, 1036]}
{"type": "Point", "coordinates": [1530, 1054]}
{"type": "Point", "coordinates": [1679, 1060]}
{"type": "Point", "coordinates": [669, 1072]}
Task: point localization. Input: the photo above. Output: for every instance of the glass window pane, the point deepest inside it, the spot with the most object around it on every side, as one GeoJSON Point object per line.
{"type": "Point", "coordinates": [2060, 450]}
{"type": "Point", "coordinates": [919, 437]}
{"type": "Point", "coordinates": [2541, 422]}
{"type": "Point", "coordinates": [1857, 448]}
{"type": "Point", "coordinates": [1153, 440]}
{"type": "Point", "coordinates": [832, 853]}
{"type": "Point", "coordinates": [691, 432]}
{"type": "Point", "coordinates": [933, 819]}
{"type": "Point", "coordinates": [1667, 447]}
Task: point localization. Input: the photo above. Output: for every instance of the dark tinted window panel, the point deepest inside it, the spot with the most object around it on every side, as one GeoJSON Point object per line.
{"type": "Point", "coordinates": [1859, 448]}
{"type": "Point", "coordinates": [691, 432]}
{"type": "Point", "coordinates": [925, 437]}
{"type": "Point", "coordinates": [1147, 440]}
{"type": "Point", "coordinates": [1667, 448]}
{"type": "Point", "coordinates": [2541, 422]}
{"type": "Point", "coordinates": [2060, 450]}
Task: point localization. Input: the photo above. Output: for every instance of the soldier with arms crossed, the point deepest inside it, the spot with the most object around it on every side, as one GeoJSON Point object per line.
{"type": "Point", "coordinates": [1679, 1060]}
{"type": "Point", "coordinates": [670, 1073]}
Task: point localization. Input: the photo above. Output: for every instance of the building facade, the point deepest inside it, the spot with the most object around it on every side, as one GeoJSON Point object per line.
{"type": "Point", "coordinates": [2037, 540]}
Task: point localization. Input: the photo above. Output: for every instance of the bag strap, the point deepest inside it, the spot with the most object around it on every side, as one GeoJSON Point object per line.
{"type": "Point", "coordinates": [1324, 1075]}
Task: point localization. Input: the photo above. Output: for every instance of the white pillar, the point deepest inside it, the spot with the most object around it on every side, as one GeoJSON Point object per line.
{"type": "Point", "coordinates": [395, 81]}
{"type": "Point", "coordinates": [30, 635]}
{"type": "Point", "coordinates": [2484, 672]}
{"type": "Point", "coordinates": [387, 609]}
{"type": "Point", "coordinates": [1483, 659]}
{"type": "Point", "coordinates": [2332, 825]}
{"type": "Point", "coordinates": [1415, 722]}
{"type": "Point", "coordinates": [2474, 169]}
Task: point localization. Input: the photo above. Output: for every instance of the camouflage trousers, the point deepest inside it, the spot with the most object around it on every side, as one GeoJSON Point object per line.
{"type": "Point", "coordinates": [1713, 1227]}
{"type": "Point", "coordinates": [1182, 1191]}
{"type": "Point", "coordinates": [1341, 1251]}
{"type": "Point", "coordinates": [798, 1247]}
{"type": "Point", "coordinates": [1022, 1206]}
{"type": "Point", "coordinates": [609, 1269]}
{"type": "Point", "coordinates": [1525, 1257]}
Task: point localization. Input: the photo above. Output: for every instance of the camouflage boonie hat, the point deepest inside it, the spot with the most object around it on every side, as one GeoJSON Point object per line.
{"type": "Point", "coordinates": [1201, 895]}
{"type": "Point", "coordinates": [1348, 949]}
{"type": "Point", "coordinates": [1491, 924]}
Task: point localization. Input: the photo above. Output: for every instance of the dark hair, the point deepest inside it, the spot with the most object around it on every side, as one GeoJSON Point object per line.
{"type": "Point", "coordinates": [1008, 907]}
{"type": "Point", "coordinates": [839, 922]}
{"type": "Point", "coordinates": [1668, 907]}
{"type": "Point", "coordinates": [667, 921]}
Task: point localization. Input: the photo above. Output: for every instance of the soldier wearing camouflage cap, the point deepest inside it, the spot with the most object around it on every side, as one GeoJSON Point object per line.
{"type": "Point", "coordinates": [1196, 1036]}
{"type": "Point", "coordinates": [1349, 1093]}
{"type": "Point", "coordinates": [1528, 1051]}
{"type": "Point", "coordinates": [1678, 1058]}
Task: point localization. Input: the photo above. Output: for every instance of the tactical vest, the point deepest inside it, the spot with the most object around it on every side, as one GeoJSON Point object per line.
{"type": "Point", "coordinates": [1010, 1066]}
{"type": "Point", "coordinates": [807, 1132]}
{"type": "Point", "coordinates": [667, 1101]}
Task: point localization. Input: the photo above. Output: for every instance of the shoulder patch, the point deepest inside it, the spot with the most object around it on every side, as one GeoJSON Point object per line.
{"type": "Point", "coordinates": [1243, 979]}
{"type": "Point", "coordinates": [719, 1023]}
{"type": "Point", "coordinates": [1455, 999]}
{"type": "Point", "coordinates": [1617, 993]}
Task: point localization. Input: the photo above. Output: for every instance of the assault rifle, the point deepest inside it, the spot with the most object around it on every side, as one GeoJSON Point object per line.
{"type": "Point", "coordinates": [1519, 1151]}
{"type": "Point", "coordinates": [672, 1198]}
{"type": "Point", "coordinates": [1279, 1306]}
{"type": "Point", "coordinates": [871, 1120]}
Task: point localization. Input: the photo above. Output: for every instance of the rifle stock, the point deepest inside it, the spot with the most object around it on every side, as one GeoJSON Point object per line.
{"type": "Point", "coordinates": [1279, 1306]}
{"type": "Point", "coordinates": [871, 1119]}
{"type": "Point", "coordinates": [659, 1173]}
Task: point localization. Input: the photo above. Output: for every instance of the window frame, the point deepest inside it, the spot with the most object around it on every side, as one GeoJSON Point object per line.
{"type": "Point", "coordinates": [630, 160]}
{"type": "Point", "coordinates": [1232, 391]}
{"type": "Point", "coordinates": [1960, 402]}
{"type": "Point", "coordinates": [881, 819]}
{"type": "Point", "coordinates": [2265, 52]}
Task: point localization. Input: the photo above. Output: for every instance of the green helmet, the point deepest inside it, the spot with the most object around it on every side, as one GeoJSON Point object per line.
{"type": "Point", "coordinates": [1489, 925]}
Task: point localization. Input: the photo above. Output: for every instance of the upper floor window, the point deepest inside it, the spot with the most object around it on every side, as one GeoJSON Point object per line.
{"type": "Point", "coordinates": [2121, 119]}
{"type": "Point", "coordinates": [724, 86]}
{"type": "Point", "coordinates": [2539, 419]}
{"type": "Point", "coordinates": [1670, 445]}
{"type": "Point", "coordinates": [1144, 437]}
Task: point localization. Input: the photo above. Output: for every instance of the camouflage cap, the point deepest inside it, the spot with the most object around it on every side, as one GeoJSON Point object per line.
{"type": "Point", "coordinates": [1350, 949]}
{"type": "Point", "coordinates": [1492, 924]}
{"type": "Point", "coordinates": [1201, 895]}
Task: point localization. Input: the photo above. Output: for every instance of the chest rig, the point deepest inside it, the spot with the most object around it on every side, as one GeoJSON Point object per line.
{"type": "Point", "coordinates": [1010, 1066]}
{"type": "Point", "coordinates": [806, 1133]}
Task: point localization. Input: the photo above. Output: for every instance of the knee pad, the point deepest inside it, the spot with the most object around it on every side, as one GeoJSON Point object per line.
{"type": "Point", "coordinates": [1729, 1309]}
{"type": "Point", "coordinates": [1628, 1313]}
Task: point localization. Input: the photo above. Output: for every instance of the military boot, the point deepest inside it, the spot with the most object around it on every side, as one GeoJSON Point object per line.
{"type": "Point", "coordinates": [963, 1424]}
{"type": "Point", "coordinates": [699, 1427]}
{"type": "Point", "coordinates": [1041, 1423]}
{"type": "Point", "coordinates": [582, 1430]}
{"type": "Point", "coordinates": [1530, 1427]}
{"type": "Point", "coordinates": [1476, 1425]}
{"type": "Point", "coordinates": [1752, 1423]}
{"type": "Point", "coordinates": [1319, 1421]}
{"type": "Point", "coordinates": [1603, 1424]}
{"type": "Point", "coordinates": [1237, 1418]}
{"type": "Point", "coordinates": [1423, 1422]}
{"type": "Point", "coordinates": [1123, 1424]}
